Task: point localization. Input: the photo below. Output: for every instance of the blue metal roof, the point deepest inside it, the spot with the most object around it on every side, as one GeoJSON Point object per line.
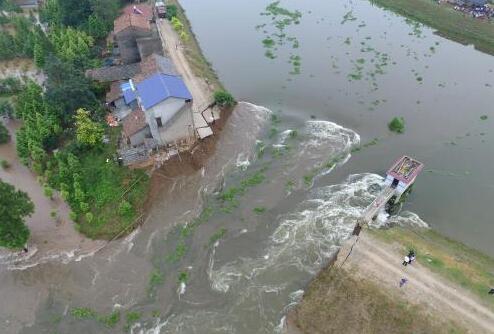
{"type": "Point", "coordinates": [129, 96]}
{"type": "Point", "coordinates": [160, 87]}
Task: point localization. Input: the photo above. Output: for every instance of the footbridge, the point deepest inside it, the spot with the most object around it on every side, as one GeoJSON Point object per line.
{"type": "Point", "coordinates": [399, 179]}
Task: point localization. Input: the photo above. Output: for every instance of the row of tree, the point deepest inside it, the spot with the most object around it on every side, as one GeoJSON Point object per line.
{"type": "Point", "coordinates": [56, 116]}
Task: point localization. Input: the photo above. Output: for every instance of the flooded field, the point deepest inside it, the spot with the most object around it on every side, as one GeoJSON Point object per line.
{"type": "Point", "coordinates": [229, 248]}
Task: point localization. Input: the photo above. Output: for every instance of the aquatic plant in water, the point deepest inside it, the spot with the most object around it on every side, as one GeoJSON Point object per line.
{"type": "Point", "coordinates": [397, 125]}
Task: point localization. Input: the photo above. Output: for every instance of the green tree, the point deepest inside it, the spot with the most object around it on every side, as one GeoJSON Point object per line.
{"type": "Point", "coordinates": [39, 53]}
{"type": "Point", "coordinates": [15, 205]}
{"type": "Point", "coordinates": [171, 11]}
{"type": "Point", "coordinates": [71, 44]}
{"type": "Point", "coordinates": [4, 134]}
{"type": "Point", "coordinates": [51, 13]}
{"type": "Point", "coordinates": [96, 27]}
{"type": "Point", "coordinates": [88, 132]}
{"type": "Point", "coordinates": [67, 89]}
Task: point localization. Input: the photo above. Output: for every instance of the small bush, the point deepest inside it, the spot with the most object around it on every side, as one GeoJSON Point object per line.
{"type": "Point", "coordinates": [171, 11]}
{"type": "Point", "coordinates": [397, 125]}
{"type": "Point", "coordinates": [48, 191]}
{"type": "Point", "coordinates": [53, 213]}
{"type": "Point", "coordinates": [4, 134]}
{"type": "Point", "coordinates": [84, 206]}
{"type": "Point", "coordinates": [125, 209]}
{"type": "Point", "coordinates": [73, 216]}
{"type": "Point", "coordinates": [223, 99]}
{"type": "Point", "coordinates": [5, 164]}
{"type": "Point", "coordinates": [89, 217]}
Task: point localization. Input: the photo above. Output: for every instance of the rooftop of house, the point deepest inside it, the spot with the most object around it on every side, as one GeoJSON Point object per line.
{"type": "Point", "coordinates": [406, 169]}
{"type": "Point", "coordinates": [113, 73]}
{"type": "Point", "coordinates": [139, 9]}
{"type": "Point", "coordinates": [134, 122]}
{"type": "Point", "coordinates": [125, 21]}
{"type": "Point", "coordinates": [155, 64]}
{"type": "Point", "coordinates": [115, 92]}
{"type": "Point", "coordinates": [157, 88]}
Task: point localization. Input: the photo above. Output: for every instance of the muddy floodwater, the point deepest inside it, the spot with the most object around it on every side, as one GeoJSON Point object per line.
{"type": "Point", "coordinates": [286, 183]}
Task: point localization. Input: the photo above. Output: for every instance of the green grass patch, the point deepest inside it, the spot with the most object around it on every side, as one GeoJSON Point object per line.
{"type": "Point", "coordinates": [451, 259]}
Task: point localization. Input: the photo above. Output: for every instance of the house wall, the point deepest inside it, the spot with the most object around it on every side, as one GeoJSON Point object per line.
{"type": "Point", "coordinates": [179, 127]}
{"type": "Point", "coordinates": [168, 111]}
{"type": "Point", "coordinates": [138, 138]}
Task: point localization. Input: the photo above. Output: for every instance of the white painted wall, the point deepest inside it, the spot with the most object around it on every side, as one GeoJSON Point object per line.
{"type": "Point", "coordinates": [176, 124]}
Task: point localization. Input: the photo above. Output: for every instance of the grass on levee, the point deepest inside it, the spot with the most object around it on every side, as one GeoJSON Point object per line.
{"type": "Point", "coordinates": [450, 259]}
{"type": "Point", "coordinates": [338, 302]}
{"type": "Point", "coordinates": [116, 193]}
{"type": "Point", "coordinates": [450, 23]}
{"type": "Point", "coordinates": [199, 64]}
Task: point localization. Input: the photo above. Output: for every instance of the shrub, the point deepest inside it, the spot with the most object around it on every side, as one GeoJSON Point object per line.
{"type": "Point", "coordinates": [5, 164]}
{"type": "Point", "coordinates": [4, 134]}
{"type": "Point", "coordinates": [73, 216]}
{"type": "Point", "coordinates": [223, 98]}
{"type": "Point", "coordinates": [48, 191]}
{"type": "Point", "coordinates": [125, 209]}
{"type": "Point", "coordinates": [53, 213]}
{"type": "Point", "coordinates": [397, 125]}
{"type": "Point", "coordinates": [171, 11]}
{"type": "Point", "coordinates": [177, 24]}
{"type": "Point", "coordinates": [84, 206]}
{"type": "Point", "coordinates": [89, 217]}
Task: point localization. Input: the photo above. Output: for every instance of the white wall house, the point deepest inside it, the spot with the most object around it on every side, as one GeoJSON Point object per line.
{"type": "Point", "coordinates": [162, 110]}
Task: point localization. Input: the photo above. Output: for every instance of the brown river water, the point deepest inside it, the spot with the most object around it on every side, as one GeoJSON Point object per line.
{"type": "Point", "coordinates": [275, 210]}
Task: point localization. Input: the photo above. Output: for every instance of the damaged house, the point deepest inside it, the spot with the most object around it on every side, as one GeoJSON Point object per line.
{"type": "Point", "coordinates": [161, 111]}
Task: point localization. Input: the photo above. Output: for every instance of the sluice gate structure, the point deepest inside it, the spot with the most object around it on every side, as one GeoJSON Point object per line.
{"type": "Point", "coordinates": [399, 180]}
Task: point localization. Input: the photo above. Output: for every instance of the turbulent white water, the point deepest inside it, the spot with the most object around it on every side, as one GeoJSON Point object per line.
{"type": "Point", "coordinates": [265, 287]}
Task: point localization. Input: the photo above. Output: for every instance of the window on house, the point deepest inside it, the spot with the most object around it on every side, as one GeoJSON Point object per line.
{"type": "Point", "coordinates": [158, 121]}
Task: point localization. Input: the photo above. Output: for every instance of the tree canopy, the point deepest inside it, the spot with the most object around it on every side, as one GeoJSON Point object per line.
{"type": "Point", "coordinates": [15, 205]}
{"type": "Point", "coordinates": [88, 132]}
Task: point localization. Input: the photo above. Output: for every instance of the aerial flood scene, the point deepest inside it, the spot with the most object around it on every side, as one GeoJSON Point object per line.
{"type": "Point", "coordinates": [234, 166]}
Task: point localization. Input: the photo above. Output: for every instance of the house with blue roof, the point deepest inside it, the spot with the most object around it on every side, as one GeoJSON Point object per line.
{"type": "Point", "coordinates": [161, 105]}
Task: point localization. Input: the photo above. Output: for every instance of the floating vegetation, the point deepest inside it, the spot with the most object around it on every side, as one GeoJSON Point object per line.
{"type": "Point", "coordinates": [366, 145]}
{"type": "Point", "coordinates": [217, 236]}
{"type": "Point", "coordinates": [484, 117]}
{"type": "Point", "coordinates": [295, 61]}
{"type": "Point", "coordinates": [259, 210]}
{"type": "Point", "coordinates": [397, 125]}
{"type": "Point", "coordinates": [156, 278]}
{"type": "Point", "coordinates": [348, 17]}
{"type": "Point", "coordinates": [183, 277]}
{"type": "Point", "coordinates": [416, 28]}
{"type": "Point", "coordinates": [280, 19]}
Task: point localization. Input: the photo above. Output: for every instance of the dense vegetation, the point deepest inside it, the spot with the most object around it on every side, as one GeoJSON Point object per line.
{"type": "Point", "coordinates": [4, 134]}
{"type": "Point", "coordinates": [15, 205]}
{"type": "Point", "coordinates": [64, 138]}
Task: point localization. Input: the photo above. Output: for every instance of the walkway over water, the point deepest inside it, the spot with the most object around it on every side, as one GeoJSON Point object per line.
{"type": "Point", "coordinates": [399, 179]}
